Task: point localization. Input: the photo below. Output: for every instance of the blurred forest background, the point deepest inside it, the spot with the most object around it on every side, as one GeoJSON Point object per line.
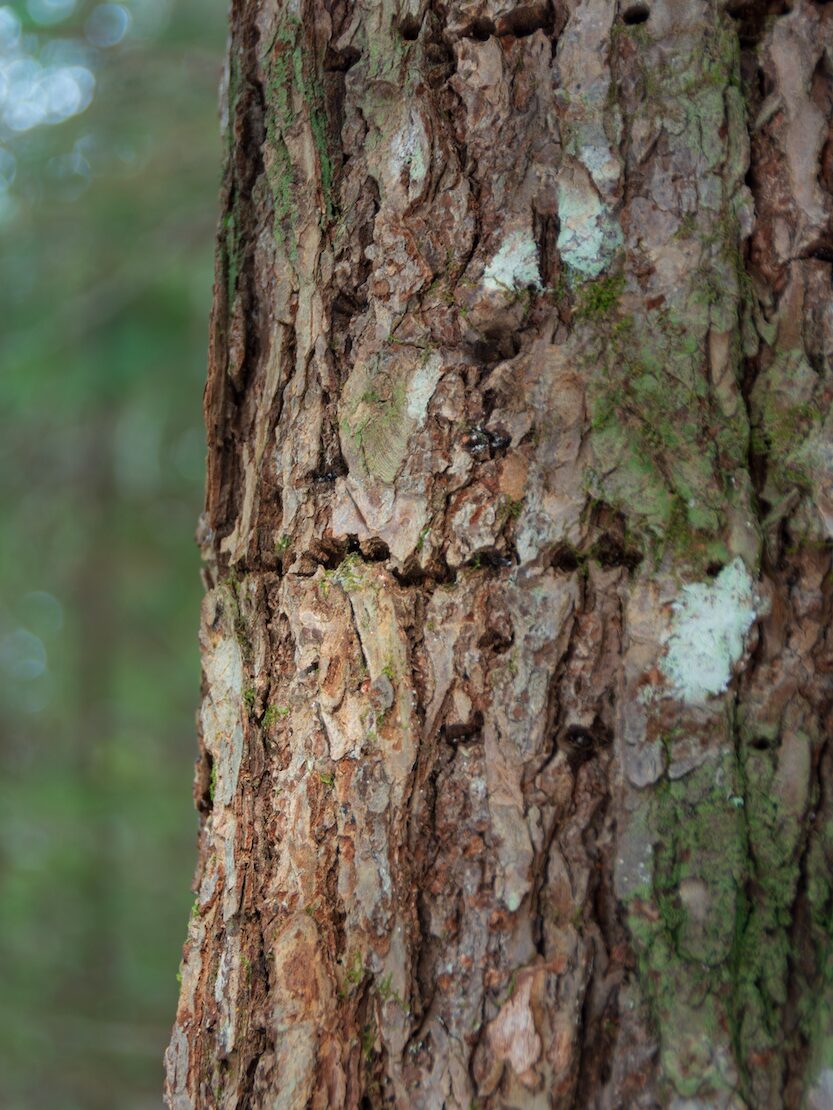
{"type": "Point", "coordinates": [109, 172]}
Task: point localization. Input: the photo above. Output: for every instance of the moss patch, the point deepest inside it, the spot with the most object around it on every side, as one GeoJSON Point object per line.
{"type": "Point", "coordinates": [291, 67]}
{"type": "Point", "coordinates": [664, 450]}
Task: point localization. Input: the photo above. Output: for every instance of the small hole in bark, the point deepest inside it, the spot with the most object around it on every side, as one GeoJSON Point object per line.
{"type": "Point", "coordinates": [464, 730]}
{"type": "Point", "coordinates": [374, 550]}
{"type": "Point", "coordinates": [579, 743]}
{"type": "Point", "coordinates": [565, 560]}
{"type": "Point", "coordinates": [480, 29]}
{"type": "Point", "coordinates": [330, 553]}
{"type": "Point", "coordinates": [714, 568]}
{"type": "Point", "coordinates": [821, 253]}
{"type": "Point", "coordinates": [412, 574]}
{"type": "Point", "coordinates": [762, 743]}
{"type": "Point", "coordinates": [609, 552]}
{"type": "Point", "coordinates": [752, 17]}
{"type": "Point", "coordinates": [634, 14]}
{"type": "Point", "coordinates": [494, 348]}
{"type": "Point", "coordinates": [409, 28]}
{"type": "Point", "coordinates": [489, 557]}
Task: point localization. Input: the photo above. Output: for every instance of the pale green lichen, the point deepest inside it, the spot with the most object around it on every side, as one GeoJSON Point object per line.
{"type": "Point", "coordinates": [221, 721]}
{"type": "Point", "coordinates": [589, 237]}
{"type": "Point", "coordinates": [684, 919]}
{"type": "Point", "coordinates": [515, 266]}
{"type": "Point", "coordinates": [775, 765]}
{"type": "Point", "coordinates": [711, 620]}
{"type": "Point", "coordinates": [386, 401]}
{"type": "Point", "coordinates": [291, 69]}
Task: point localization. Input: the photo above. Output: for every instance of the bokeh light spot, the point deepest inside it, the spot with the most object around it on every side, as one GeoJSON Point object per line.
{"type": "Point", "coordinates": [22, 655]}
{"type": "Point", "coordinates": [50, 11]}
{"type": "Point", "coordinates": [108, 24]}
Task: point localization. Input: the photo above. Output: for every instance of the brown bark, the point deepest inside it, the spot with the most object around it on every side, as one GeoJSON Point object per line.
{"type": "Point", "coordinates": [515, 771]}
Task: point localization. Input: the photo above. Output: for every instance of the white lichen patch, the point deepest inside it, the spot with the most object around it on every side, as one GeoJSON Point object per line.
{"type": "Point", "coordinates": [599, 160]}
{"type": "Point", "coordinates": [589, 237]}
{"type": "Point", "coordinates": [225, 993]}
{"type": "Point", "coordinates": [407, 152]}
{"type": "Point", "coordinates": [711, 620]}
{"type": "Point", "coordinates": [405, 172]}
{"type": "Point", "coordinates": [421, 385]}
{"type": "Point", "coordinates": [515, 266]}
{"type": "Point", "coordinates": [222, 726]}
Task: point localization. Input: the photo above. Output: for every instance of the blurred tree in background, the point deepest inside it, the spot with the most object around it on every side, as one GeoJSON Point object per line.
{"type": "Point", "coordinates": [109, 163]}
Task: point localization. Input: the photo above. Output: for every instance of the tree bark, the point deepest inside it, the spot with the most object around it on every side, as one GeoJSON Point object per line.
{"type": "Point", "coordinates": [515, 772]}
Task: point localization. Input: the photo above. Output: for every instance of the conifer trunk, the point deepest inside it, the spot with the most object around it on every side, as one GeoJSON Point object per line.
{"type": "Point", "coordinates": [515, 772]}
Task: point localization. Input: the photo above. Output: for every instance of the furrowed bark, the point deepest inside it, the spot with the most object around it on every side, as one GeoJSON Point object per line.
{"type": "Point", "coordinates": [518, 673]}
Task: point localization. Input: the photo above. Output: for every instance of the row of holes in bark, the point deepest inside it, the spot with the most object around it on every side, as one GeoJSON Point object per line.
{"type": "Point", "coordinates": [521, 22]}
{"type": "Point", "coordinates": [576, 741]}
{"type": "Point", "coordinates": [528, 19]}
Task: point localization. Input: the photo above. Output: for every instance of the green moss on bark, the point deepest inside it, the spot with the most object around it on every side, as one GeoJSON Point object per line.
{"type": "Point", "coordinates": [291, 67]}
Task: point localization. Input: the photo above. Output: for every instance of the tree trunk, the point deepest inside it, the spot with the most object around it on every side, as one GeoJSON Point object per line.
{"type": "Point", "coordinates": [515, 777]}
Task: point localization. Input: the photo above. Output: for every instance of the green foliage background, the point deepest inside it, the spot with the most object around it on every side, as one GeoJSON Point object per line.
{"type": "Point", "coordinates": [105, 283]}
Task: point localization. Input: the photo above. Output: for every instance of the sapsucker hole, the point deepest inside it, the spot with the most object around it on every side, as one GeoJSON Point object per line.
{"type": "Point", "coordinates": [489, 557]}
{"type": "Point", "coordinates": [495, 347]}
{"type": "Point", "coordinates": [411, 574]}
{"type": "Point", "coordinates": [633, 14]}
{"type": "Point", "coordinates": [480, 29]}
{"type": "Point", "coordinates": [762, 743]}
{"type": "Point", "coordinates": [456, 731]}
{"type": "Point", "coordinates": [564, 559]}
{"type": "Point", "coordinates": [330, 552]}
{"type": "Point", "coordinates": [578, 743]}
{"type": "Point", "coordinates": [409, 28]}
{"type": "Point", "coordinates": [374, 550]}
{"type": "Point", "coordinates": [608, 551]}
